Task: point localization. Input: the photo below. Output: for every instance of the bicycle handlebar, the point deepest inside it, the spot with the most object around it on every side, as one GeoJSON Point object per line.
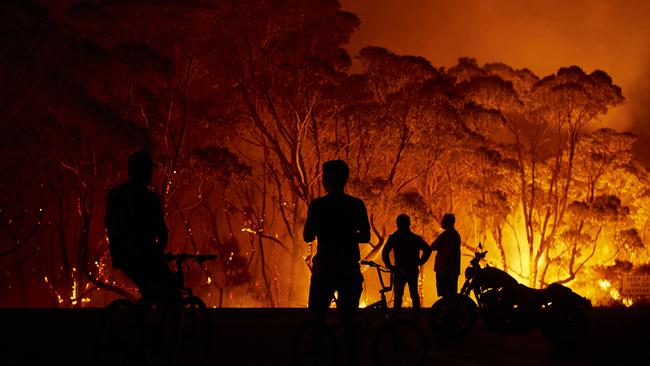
{"type": "Point", "coordinates": [375, 265]}
{"type": "Point", "coordinates": [380, 269]}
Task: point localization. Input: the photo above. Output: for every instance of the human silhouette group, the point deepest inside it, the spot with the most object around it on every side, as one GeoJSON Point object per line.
{"type": "Point", "coordinates": [339, 222]}
{"type": "Point", "coordinates": [138, 235]}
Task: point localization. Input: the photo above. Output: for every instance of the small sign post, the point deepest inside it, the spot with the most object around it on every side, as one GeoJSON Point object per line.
{"type": "Point", "coordinates": [636, 286]}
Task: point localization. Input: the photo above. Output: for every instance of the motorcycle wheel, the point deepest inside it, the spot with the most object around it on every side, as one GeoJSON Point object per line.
{"type": "Point", "coordinates": [496, 311]}
{"type": "Point", "coordinates": [453, 316]}
{"type": "Point", "coordinates": [566, 327]}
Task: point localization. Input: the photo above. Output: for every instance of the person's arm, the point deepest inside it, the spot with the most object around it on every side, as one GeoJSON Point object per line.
{"type": "Point", "coordinates": [385, 253]}
{"type": "Point", "coordinates": [363, 233]}
{"type": "Point", "coordinates": [426, 251]}
{"type": "Point", "coordinates": [438, 242]}
{"type": "Point", "coordinates": [309, 231]}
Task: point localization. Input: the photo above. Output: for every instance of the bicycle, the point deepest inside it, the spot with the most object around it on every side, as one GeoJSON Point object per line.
{"type": "Point", "coordinates": [396, 341]}
{"type": "Point", "coordinates": [146, 333]}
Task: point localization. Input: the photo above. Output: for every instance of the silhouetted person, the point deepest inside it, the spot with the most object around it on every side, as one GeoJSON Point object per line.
{"type": "Point", "coordinates": [406, 247]}
{"type": "Point", "coordinates": [447, 264]}
{"type": "Point", "coordinates": [339, 222]}
{"type": "Point", "coordinates": [137, 233]}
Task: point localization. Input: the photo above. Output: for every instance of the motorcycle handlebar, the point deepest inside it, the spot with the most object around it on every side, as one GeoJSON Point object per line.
{"type": "Point", "coordinates": [478, 256]}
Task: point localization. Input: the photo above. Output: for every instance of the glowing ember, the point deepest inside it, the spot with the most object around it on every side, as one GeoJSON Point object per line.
{"type": "Point", "coordinates": [604, 284]}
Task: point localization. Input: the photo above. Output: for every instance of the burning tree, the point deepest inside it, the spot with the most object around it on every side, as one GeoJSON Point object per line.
{"type": "Point", "coordinates": [73, 141]}
{"type": "Point", "coordinates": [282, 59]}
{"type": "Point", "coordinates": [563, 103]}
{"type": "Point", "coordinates": [241, 103]}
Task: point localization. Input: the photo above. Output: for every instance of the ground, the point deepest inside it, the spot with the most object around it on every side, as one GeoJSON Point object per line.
{"type": "Point", "coordinates": [261, 337]}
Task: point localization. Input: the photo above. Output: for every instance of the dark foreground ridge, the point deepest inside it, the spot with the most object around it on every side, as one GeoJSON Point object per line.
{"type": "Point", "coordinates": [261, 337]}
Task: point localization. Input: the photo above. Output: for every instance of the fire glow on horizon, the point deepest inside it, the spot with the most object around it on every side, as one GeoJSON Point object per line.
{"type": "Point", "coordinates": [240, 113]}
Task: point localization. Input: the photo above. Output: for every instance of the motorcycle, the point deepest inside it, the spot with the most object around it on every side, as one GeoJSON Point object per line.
{"type": "Point", "coordinates": [507, 307]}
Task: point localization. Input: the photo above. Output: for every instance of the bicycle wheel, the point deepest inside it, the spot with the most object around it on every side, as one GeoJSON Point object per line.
{"type": "Point", "coordinates": [118, 338]}
{"type": "Point", "coordinates": [313, 344]}
{"type": "Point", "coordinates": [195, 333]}
{"type": "Point", "coordinates": [399, 342]}
{"type": "Point", "coordinates": [160, 329]}
{"type": "Point", "coordinates": [453, 316]}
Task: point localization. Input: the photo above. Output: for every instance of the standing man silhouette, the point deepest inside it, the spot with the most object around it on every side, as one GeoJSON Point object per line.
{"type": "Point", "coordinates": [406, 247]}
{"type": "Point", "coordinates": [447, 264]}
{"type": "Point", "coordinates": [137, 233]}
{"type": "Point", "coordinates": [339, 222]}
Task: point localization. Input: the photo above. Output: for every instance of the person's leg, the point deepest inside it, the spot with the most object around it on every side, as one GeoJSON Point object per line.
{"type": "Point", "coordinates": [447, 284]}
{"type": "Point", "coordinates": [169, 298]}
{"type": "Point", "coordinates": [413, 291]}
{"type": "Point", "coordinates": [321, 291]}
{"type": "Point", "coordinates": [453, 284]}
{"type": "Point", "coordinates": [169, 289]}
{"type": "Point", "coordinates": [442, 284]}
{"type": "Point", "coordinates": [158, 286]}
{"type": "Point", "coordinates": [399, 283]}
{"type": "Point", "coordinates": [350, 288]}
{"type": "Point", "coordinates": [135, 274]}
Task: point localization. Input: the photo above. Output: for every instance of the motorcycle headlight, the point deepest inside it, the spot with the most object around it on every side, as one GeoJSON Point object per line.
{"type": "Point", "coordinates": [470, 272]}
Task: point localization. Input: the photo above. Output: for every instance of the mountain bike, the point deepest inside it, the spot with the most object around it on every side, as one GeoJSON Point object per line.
{"type": "Point", "coordinates": [395, 341]}
{"type": "Point", "coordinates": [149, 333]}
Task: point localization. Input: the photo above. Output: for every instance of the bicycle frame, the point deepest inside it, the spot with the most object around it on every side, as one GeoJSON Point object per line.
{"type": "Point", "coordinates": [390, 328]}
{"type": "Point", "coordinates": [179, 259]}
{"type": "Point", "coordinates": [383, 303]}
{"type": "Point", "coordinates": [377, 318]}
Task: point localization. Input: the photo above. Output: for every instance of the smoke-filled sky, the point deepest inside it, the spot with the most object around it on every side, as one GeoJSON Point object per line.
{"type": "Point", "coordinates": [542, 35]}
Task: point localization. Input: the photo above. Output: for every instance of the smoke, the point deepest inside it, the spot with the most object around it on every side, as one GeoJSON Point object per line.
{"type": "Point", "coordinates": [639, 106]}
{"type": "Point", "coordinates": [542, 35]}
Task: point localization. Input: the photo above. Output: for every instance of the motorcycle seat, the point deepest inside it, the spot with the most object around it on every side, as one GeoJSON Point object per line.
{"type": "Point", "coordinates": [532, 294]}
